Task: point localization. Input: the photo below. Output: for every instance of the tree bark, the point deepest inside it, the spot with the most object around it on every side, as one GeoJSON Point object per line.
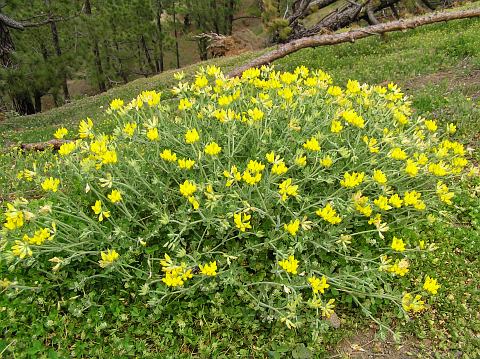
{"type": "Point", "coordinates": [147, 54]}
{"type": "Point", "coordinates": [351, 36]}
{"type": "Point", "coordinates": [177, 53]}
{"type": "Point", "coordinates": [229, 20]}
{"type": "Point", "coordinates": [58, 51]}
{"type": "Point", "coordinates": [96, 52]}
{"type": "Point", "coordinates": [160, 64]}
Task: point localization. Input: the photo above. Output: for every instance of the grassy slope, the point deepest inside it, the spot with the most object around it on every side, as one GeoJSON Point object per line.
{"type": "Point", "coordinates": [439, 66]}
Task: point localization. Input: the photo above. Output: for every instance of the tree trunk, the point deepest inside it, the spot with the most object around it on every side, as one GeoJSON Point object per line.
{"type": "Point", "coordinates": [38, 101]}
{"type": "Point", "coordinates": [229, 20]}
{"type": "Point", "coordinates": [96, 52]}
{"type": "Point", "coordinates": [22, 102]}
{"type": "Point", "coordinates": [6, 45]}
{"type": "Point", "coordinates": [213, 4]}
{"type": "Point", "coordinates": [177, 54]}
{"type": "Point", "coordinates": [343, 17]}
{"type": "Point", "coordinates": [160, 64]}
{"type": "Point", "coordinates": [147, 54]}
{"type": "Point", "coordinates": [58, 51]}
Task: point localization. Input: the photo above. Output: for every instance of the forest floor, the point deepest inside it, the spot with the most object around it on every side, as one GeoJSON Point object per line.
{"type": "Point", "coordinates": [439, 67]}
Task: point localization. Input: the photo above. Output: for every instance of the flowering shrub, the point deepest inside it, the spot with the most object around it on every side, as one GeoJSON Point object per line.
{"type": "Point", "coordinates": [282, 188]}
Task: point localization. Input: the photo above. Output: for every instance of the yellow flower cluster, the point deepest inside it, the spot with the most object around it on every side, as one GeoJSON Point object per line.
{"type": "Point", "coordinates": [329, 214]}
{"type": "Point", "coordinates": [108, 258]}
{"type": "Point", "coordinates": [290, 265]}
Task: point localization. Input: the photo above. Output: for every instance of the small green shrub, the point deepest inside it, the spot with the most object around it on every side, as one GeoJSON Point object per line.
{"type": "Point", "coordinates": [279, 189]}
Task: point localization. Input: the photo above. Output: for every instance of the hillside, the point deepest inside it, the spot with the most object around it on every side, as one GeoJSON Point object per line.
{"type": "Point", "coordinates": [438, 66]}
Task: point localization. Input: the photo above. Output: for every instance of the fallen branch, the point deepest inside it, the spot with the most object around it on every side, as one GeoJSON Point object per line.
{"type": "Point", "coordinates": [42, 146]}
{"type": "Point", "coordinates": [351, 36]}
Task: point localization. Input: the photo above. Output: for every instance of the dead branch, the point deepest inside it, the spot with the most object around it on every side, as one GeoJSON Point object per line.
{"type": "Point", "coordinates": [351, 36]}
{"type": "Point", "coordinates": [42, 146]}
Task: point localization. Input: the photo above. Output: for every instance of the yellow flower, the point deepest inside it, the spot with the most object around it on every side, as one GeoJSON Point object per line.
{"type": "Point", "coordinates": [192, 136]}
{"type": "Point", "coordinates": [400, 267]}
{"type": "Point", "coordinates": [108, 257]}
{"type": "Point", "coordinates": [209, 269]}
{"type": "Point", "coordinates": [115, 196]}
{"type": "Point", "coordinates": [451, 128]}
{"type": "Point", "coordinates": [225, 100]}
{"type": "Point", "coordinates": [176, 275]}
{"type": "Point", "coordinates": [51, 184]}
{"type": "Point", "coordinates": [431, 285]}
{"type": "Point", "coordinates": [329, 214]}
{"type": "Point", "coordinates": [312, 144]}
{"type": "Point", "coordinates": [361, 204]}
{"type": "Point", "coordinates": [371, 143]}
{"type": "Point", "coordinates": [186, 163]}
{"type": "Point", "coordinates": [5, 283]}
{"type": "Point", "coordinates": [201, 82]}
{"type": "Point", "coordinates": [271, 158]}
{"type": "Point", "coordinates": [292, 227]}
{"type": "Point", "coordinates": [334, 91]}
{"type": "Point", "coordinates": [431, 125]}
{"type": "Point", "coordinates": [85, 128]}
{"type": "Point", "coordinates": [336, 126]}
{"type": "Point", "coordinates": [212, 149]}
{"type": "Point", "coordinates": [129, 128]}
{"type": "Point", "coordinates": [255, 166]}
{"type": "Point", "coordinates": [326, 161]}
{"type": "Point", "coordinates": [152, 134]}
{"type": "Point", "coordinates": [422, 159]}
{"type": "Point", "coordinates": [301, 161]}
{"type": "Point", "coordinates": [194, 202]}
{"type": "Point", "coordinates": [398, 154]}
{"type": "Point", "coordinates": [67, 148]}
{"type": "Point", "coordinates": [21, 249]}
{"type": "Point", "coordinates": [395, 201]}
{"type": "Point", "coordinates": [289, 265]}
{"type": "Point", "coordinates": [286, 189]}
{"type": "Point", "coordinates": [255, 114]}
{"type": "Point", "coordinates": [382, 203]}
{"type": "Point", "coordinates": [97, 209]}
{"type": "Point", "coordinates": [250, 178]}
{"type": "Point", "coordinates": [109, 157]}
{"type": "Point", "coordinates": [242, 221]}
{"type": "Point", "coordinates": [352, 180]}
{"type": "Point", "coordinates": [379, 177]}
{"type": "Point", "coordinates": [443, 193]}
{"type": "Point", "coordinates": [279, 168]}
{"type": "Point", "coordinates": [412, 198]}
{"type": "Point", "coordinates": [13, 218]}
{"type": "Point", "coordinates": [353, 118]}
{"type": "Point", "coordinates": [60, 133]}
{"type": "Point", "coordinates": [353, 86]}
{"type": "Point", "coordinates": [398, 244]}
{"type": "Point", "coordinates": [327, 309]}
{"type": "Point", "coordinates": [184, 104]}
{"type": "Point", "coordinates": [411, 168]}
{"type": "Point", "coordinates": [187, 188]}
{"type": "Point", "coordinates": [168, 155]}
{"type": "Point", "coordinates": [318, 285]}
{"type": "Point", "coordinates": [116, 104]}
{"type": "Point", "coordinates": [233, 175]}
{"type": "Point", "coordinates": [40, 236]}
{"type": "Point", "coordinates": [438, 169]}
{"type": "Point", "coordinates": [409, 303]}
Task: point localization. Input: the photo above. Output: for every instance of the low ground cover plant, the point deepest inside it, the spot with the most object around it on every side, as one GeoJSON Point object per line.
{"type": "Point", "coordinates": [280, 189]}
